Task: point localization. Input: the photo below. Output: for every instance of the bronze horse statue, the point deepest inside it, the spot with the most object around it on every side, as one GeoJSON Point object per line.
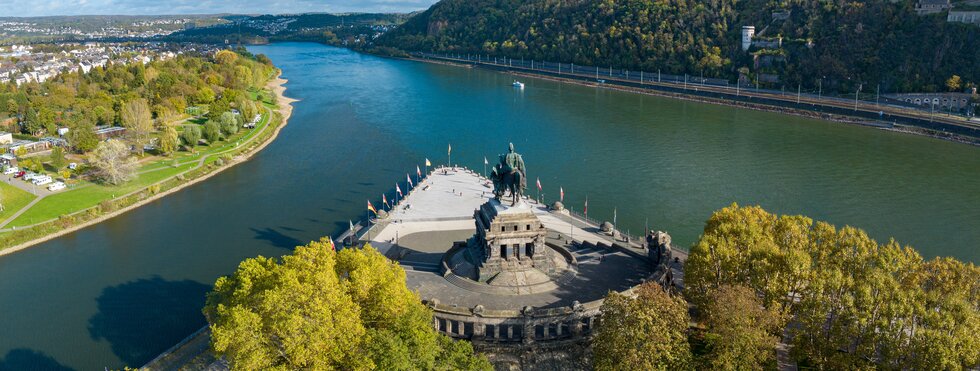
{"type": "Point", "coordinates": [509, 175]}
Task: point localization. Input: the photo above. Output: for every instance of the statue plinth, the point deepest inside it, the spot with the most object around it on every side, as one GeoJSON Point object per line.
{"type": "Point", "coordinates": [510, 239]}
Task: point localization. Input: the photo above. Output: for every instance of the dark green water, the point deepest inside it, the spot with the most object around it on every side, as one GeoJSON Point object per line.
{"type": "Point", "coordinates": [121, 292]}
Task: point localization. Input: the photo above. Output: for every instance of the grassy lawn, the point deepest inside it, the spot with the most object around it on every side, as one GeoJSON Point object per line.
{"type": "Point", "coordinates": [84, 197]}
{"type": "Point", "coordinates": [13, 199]}
{"type": "Point", "coordinates": [89, 194]}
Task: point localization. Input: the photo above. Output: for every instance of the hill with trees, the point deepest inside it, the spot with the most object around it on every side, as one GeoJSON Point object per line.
{"type": "Point", "coordinates": [844, 44]}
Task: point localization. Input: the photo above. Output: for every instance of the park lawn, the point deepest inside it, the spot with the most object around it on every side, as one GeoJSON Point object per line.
{"type": "Point", "coordinates": [13, 199]}
{"type": "Point", "coordinates": [89, 195]}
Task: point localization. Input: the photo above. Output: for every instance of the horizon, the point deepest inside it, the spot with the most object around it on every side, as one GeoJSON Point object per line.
{"type": "Point", "coordinates": [83, 8]}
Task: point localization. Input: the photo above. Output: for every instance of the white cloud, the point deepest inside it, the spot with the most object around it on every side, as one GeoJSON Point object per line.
{"type": "Point", "coordinates": [31, 8]}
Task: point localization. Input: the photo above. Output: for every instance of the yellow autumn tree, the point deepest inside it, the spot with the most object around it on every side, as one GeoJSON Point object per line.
{"type": "Point", "coordinates": [325, 310]}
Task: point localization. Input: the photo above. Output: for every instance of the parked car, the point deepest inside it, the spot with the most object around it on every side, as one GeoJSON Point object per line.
{"type": "Point", "coordinates": [42, 180]}
{"type": "Point", "coordinates": [56, 186]}
{"type": "Point", "coordinates": [20, 174]}
{"type": "Point", "coordinates": [11, 170]}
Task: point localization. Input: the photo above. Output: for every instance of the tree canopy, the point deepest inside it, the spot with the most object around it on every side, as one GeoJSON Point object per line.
{"type": "Point", "coordinates": [322, 309]}
{"type": "Point", "coordinates": [854, 302]}
{"type": "Point", "coordinates": [844, 44]}
{"type": "Point", "coordinates": [647, 331]}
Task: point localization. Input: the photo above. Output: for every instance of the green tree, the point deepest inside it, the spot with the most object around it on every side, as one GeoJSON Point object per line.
{"type": "Point", "coordinates": [321, 309]}
{"type": "Point", "coordinates": [229, 123]}
{"type": "Point", "coordinates": [82, 137]}
{"type": "Point", "coordinates": [212, 131]}
{"type": "Point", "coordinates": [740, 331]}
{"type": "Point", "coordinates": [648, 332]}
{"type": "Point", "coordinates": [112, 162]}
{"type": "Point", "coordinates": [169, 140]}
{"type": "Point", "coordinates": [138, 122]}
{"type": "Point", "coordinates": [57, 157]}
{"type": "Point", "coordinates": [191, 135]}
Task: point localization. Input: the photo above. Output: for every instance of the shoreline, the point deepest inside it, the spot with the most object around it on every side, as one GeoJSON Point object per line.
{"type": "Point", "coordinates": [285, 110]}
{"type": "Point", "coordinates": [834, 118]}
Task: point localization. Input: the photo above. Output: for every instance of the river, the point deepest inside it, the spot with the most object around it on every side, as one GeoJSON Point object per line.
{"type": "Point", "coordinates": [122, 291]}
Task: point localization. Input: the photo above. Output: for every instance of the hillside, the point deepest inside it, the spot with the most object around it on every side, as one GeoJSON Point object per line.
{"type": "Point", "coordinates": [846, 43]}
{"type": "Point", "coordinates": [338, 29]}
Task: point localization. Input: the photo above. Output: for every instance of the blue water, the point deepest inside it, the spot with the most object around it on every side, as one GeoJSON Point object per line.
{"type": "Point", "coordinates": [120, 292]}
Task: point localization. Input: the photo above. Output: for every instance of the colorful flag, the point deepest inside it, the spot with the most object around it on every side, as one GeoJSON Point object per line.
{"type": "Point", "coordinates": [561, 193]}
{"type": "Point", "coordinates": [398, 189]}
{"type": "Point", "coordinates": [614, 216]}
{"type": "Point", "coordinates": [539, 184]}
{"type": "Point", "coordinates": [409, 179]}
{"type": "Point", "coordinates": [586, 206]}
{"type": "Point", "coordinates": [427, 163]}
{"type": "Point", "coordinates": [384, 199]}
{"type": "Point", "coordinates": [418, 171]}
{"type": "Point", "coordinates": [371, 207]}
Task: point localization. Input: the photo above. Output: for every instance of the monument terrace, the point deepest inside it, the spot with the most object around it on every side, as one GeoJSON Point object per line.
{"type": "Point", "coordinates": [502, 270]}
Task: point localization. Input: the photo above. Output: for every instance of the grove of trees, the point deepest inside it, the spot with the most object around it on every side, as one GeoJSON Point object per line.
{"type": "Point", "coordinates": [834, 45]}
{"type": "Point", "coordinates": [841, 299]}
{"type": "Point", "coordinates": [321, 309]}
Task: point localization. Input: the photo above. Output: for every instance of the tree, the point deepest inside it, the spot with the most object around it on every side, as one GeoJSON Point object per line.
{"type": "Point", "coordinates": [57, 157]}
{"type": "Point", "coordinates": [169, 140]}
{"type": "Point", "coordinates": [739, 330]}
{"type": "Point", "coordinates": [749, 246]}
{"type": "Point", "coordinates": [322, 309]}
{"type": "Point", "coordinates": [191, 135]}
{"type": "Point", "coordinates": [112, 163]}
{"type": "Point", "coordinates": [82, 137]}
{"type": "Point", "coordinates": [212, 131]}
{"type": "Point", "coordinates": [954, 83]}
{"type": "Point", "coordinates": [646, 332]}
{"type": "Point", "coordinates": [225, 57]}
{"type": "Point", "coordinates": [32, 122]}
{"type": "Point", "coordinates": [138, 122]}
{"type": "Point", "coordinates": [229, 123]}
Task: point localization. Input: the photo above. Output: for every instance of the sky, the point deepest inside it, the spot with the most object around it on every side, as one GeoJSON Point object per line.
{"type": "Point", "coordinates": [33, 8]}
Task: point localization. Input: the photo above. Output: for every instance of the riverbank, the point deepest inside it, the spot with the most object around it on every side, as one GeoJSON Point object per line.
{"type": "Point", "coordinates": [884, 119]}
{"type": "Point", "coordinates": [276, 121]}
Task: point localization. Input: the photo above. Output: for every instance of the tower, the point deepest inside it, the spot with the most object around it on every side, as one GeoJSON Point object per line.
{"type": "Point", "coordinates": [747, 33]}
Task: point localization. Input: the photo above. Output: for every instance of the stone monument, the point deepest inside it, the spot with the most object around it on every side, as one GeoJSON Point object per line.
{"type": "Point", "coordinates": [509, 239]}
{"type": "Point", "coordinates": [509, 175]}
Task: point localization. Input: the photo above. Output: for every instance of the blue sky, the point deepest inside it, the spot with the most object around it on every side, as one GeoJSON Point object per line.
{"type": "Point", "coordinates": [31, 8]}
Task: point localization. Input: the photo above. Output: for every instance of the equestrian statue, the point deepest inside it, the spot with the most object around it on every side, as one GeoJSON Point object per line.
{"type": "Point", "coordinates": [509, 175]}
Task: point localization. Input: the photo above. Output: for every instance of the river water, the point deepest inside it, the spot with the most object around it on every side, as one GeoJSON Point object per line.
{"type": "Point", "coordinates": [120, 292]}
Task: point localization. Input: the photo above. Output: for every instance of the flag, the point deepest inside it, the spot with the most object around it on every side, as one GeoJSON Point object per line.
{"type": "Point", "coordinates": [384, 199]}
{"type": "Point", "coordinates": [351, 225]}
{"type": "Point", "coordinates": [586, 205]}
{"type": "Point", "coordinates": [409, 179]}
{"type": "Point", "coordinates": [427, 163]}
{"type": "Point", "coordinates": [399, 190]}
{"type": "Point", "coordinates": [418, 171]}
{"type": "Point", "coordinates": [371, 207]}
{"type": "Point", "coordinates": [614, 216]}
{"type": "Point", "coordinates": [561, 194]}
{"type": "Point", "coordinates": [450, 151]}
{"type": "Point", "coordinates": [539, 184]}
{"type": "Point", "coordinates": [485, 162]}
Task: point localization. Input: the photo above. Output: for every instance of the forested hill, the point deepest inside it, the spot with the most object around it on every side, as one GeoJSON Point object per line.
{"type": "Point", "coordinates": [848, 43]}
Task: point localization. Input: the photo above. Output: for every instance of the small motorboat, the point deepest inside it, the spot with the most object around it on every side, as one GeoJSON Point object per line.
{"type": "Point", "coordinates": [518, 84]}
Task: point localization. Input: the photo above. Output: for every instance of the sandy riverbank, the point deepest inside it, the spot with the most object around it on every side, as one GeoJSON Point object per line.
{"type": "Point", "coordinates": [276, 85]}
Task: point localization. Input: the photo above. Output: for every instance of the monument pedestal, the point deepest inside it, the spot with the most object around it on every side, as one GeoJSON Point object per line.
{"type": "Point", "coordinates": [509, 239]}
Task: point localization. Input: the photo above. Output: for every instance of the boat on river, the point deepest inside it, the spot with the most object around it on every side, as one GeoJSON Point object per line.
{"type": "Point", "coordinates": [518, 84]}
